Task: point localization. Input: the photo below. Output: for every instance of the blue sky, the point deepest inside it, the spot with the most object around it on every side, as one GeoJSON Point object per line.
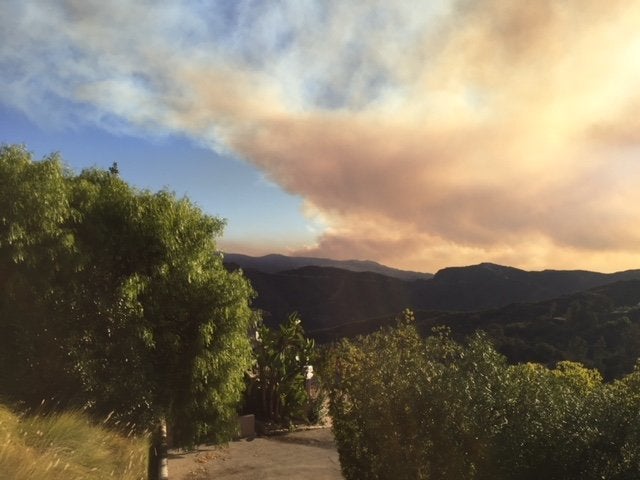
{"type": "Point", "coordinates": [417, 134]}
{"type": "Point", "coordinates": [221, 185]}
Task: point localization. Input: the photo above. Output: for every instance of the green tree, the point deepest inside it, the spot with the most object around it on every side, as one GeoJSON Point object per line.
{"type": "Point", "coordinates": [36, 252]}
{"type": "Point", "coordinates": [170, 311]}
{"type": "Point", "coordinates": [128, 290]}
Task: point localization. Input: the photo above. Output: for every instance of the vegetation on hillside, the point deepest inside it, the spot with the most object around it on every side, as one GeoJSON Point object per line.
{"type": "Point", "coordinates": [67, 446]}
{"type": "Point", "coordinates": [405, 407]}
{"type": "Point", "coordinates": [116, 300]}
{"type": "Point", "coordinates": [331, 298]}
{"type": "Point", "coordinates": [599, 328]}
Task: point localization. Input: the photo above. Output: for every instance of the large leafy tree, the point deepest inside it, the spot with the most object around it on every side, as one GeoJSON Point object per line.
{"type": "Point", "coordinates": [35, 254]}
{"type": "Point", "coordinates": [148, 324]}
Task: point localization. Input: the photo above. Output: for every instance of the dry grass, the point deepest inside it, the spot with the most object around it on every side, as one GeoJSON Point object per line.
{"type": "Point", "coordinates": [66, 446]}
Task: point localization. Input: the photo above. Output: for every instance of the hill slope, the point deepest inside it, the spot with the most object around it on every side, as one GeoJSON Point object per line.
{"type": "Point", "coordinates": [275, 263]}
{"type": "Point", "coordinates": [328, 297]}
{"type": "Point", "coordinates": [599, 327]}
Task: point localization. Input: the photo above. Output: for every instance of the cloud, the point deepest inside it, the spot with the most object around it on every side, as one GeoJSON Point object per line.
{"type": "Point", "coordinates": [451, 133]}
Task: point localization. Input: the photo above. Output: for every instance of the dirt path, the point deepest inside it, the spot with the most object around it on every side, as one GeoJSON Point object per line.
{"type": "Point", "coordinates": [304, 455]}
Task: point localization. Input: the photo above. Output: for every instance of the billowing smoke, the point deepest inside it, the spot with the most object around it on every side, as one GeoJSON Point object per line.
{"type": "Point", "coordinates": [451, 133]}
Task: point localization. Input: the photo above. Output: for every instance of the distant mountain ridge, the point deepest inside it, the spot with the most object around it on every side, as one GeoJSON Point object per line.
{"type": "Point", "coordinates": [274, 263]}
{"type": "Point", "coordinates": [488, 285]}
{"type": "Point", "coordinates": [327, 296]}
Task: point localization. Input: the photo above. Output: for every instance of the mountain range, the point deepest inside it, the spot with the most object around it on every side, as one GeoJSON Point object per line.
{"type": "Point", "coordinates": [329, 294]}
{"type": "Point", "coordinates": [274, 263]}
{"type": "Point", "coordinates": [541, 316]}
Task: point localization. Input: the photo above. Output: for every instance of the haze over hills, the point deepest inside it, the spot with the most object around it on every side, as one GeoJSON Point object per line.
{"type": "Point", "coordinates": [327, 297]}
{"type": "Point", "coordinates": [274, 263]}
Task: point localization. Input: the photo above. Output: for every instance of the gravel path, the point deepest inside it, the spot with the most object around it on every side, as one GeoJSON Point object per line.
{"type": "Point", "coordinates": [303, 455]}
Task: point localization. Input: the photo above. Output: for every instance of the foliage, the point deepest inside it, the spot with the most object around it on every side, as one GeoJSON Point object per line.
{"type": "Point", "coordinates": [35, 253]}
{"type": "Point", "coordinates": [600, 329]}
{"type": "Point", "coordinates": [277, 384]}
{"type": "Point", "coordinates": [66, 446]}
{"type": "Point", "coordinates": [117, 299]}
{"type": "Point", "coordinates": [411, 408]}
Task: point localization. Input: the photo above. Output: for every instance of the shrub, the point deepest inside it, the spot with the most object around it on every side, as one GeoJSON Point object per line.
{"type": "Point", "coordinates": [404, 407]}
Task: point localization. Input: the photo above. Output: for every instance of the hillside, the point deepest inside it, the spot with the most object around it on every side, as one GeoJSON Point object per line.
{"type": "Point", "coordinates": [275, 263]}
{"type": "Point", "coordinates": [599, 327]}
{"type": "Point", "coordinates": [328, 297]}
{"type": "Point", "coordinates": [542, 316]}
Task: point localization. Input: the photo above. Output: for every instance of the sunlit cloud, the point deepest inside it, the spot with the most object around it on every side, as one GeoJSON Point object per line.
{"type": "Point", "coordinates": [421, 136]}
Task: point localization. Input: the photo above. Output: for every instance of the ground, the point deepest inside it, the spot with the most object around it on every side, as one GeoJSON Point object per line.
{"type": "Point", "coordinates": [304, 455]}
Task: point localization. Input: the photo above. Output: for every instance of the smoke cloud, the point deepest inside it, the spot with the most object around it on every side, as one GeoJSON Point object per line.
{"type": "Point", "coordinates": [424, 136]}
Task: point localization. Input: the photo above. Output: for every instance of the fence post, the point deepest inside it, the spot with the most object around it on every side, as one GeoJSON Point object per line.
{"type": "Point", "coordinates": [158, 453]}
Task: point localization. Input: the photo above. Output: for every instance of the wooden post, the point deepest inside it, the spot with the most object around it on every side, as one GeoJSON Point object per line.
{"type": "Point", "coordinates": [158, 452]}
{"type": "Point", "coordinates": [163, 464]}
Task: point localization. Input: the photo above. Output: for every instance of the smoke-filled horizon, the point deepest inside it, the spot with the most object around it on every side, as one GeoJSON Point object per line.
{"type": "Point", "coordinates": [419, 134]}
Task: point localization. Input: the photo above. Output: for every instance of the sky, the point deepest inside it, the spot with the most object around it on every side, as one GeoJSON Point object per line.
{"type": "Point", "coordinates": [417, 134]}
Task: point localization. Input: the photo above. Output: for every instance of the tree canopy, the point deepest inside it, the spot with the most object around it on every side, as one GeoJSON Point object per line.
{"type": "Point", "coordinates": [116, 299]}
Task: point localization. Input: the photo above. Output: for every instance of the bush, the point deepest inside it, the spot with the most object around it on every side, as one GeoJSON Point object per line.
{"type": "Point", "coordinates": [404, 407]}
{"type": "Point", "coordinates": [276, 388]}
